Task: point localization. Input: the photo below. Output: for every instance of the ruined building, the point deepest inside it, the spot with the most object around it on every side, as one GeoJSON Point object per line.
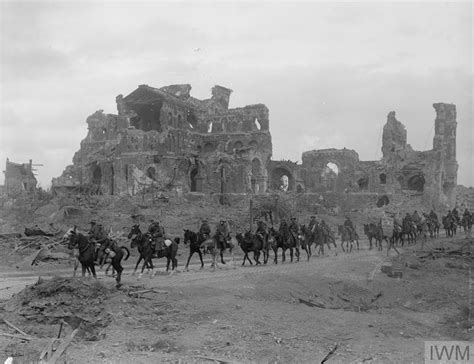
{"type": "Point", "coordinates": [19, 178]}
{"type": "Point", "coordinates": [431, 174]}
{"type": "Point", "coordinates": [170, 140]}
{"type": "Point", "coordinates": [167, 139]}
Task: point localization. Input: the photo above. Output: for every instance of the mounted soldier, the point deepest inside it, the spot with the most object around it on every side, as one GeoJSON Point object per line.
{"type": "Point", "coordinates": [97, 236]}
{"type": "Point", "coordinates": [433, 216]}
{"type": "Point", "coordinates": [261, 232]}
{"type": "Point", "coordinates": [204, 231]}
{"type": "Point", "coordinates": [456, 215]}
{"type": "Point", "coordinates": [294, 229]}
{"type": "Point", "coordinates": [157, 233]}
{"type": "Point", "coordinates": [313, 227]}
{"type": "Point", "coordinates": [222, 234]}
{"type": "Point", "coordinates": [350, 227]}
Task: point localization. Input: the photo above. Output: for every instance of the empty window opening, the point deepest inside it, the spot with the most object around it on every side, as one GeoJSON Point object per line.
{"type": "Point", "coordinates": [257, 124]}
{"type": "Point", "coordinates": [383, 178]}
{"type": "Point", "coordinates": [363, 183]}
{"type": "Point", "coordinates": [151, 173]}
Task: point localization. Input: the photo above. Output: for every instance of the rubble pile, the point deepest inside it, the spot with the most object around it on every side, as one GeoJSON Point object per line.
{"type": "Point", "coordinates": [41, 308]}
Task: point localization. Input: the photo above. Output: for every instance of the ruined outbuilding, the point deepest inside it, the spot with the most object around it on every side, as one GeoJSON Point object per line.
{"type": "Point", "coordinates": [165, 139]}
{"type": "Point", "coordinates": [19, 178]}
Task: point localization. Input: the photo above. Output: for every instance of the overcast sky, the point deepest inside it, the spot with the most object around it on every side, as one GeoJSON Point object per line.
{"type": "Point", "coordinates": [329, 72]}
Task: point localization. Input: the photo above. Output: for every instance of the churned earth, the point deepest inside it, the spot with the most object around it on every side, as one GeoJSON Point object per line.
{"type": "Point", "coordinates": [341, 307]}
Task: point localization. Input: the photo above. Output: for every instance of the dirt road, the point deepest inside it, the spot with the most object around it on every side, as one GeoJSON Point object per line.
{"type": "Point", "coordinates": [285, 313]}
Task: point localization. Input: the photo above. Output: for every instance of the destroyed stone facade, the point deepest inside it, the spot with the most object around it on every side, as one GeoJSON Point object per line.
{"type": "Point", "coordinates": [19, 178]}
{"type": "Point", "coordinates": [164, 138]}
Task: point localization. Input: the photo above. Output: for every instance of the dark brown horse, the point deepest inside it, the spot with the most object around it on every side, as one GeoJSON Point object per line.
{"type": "Point", "coordinates": [86, 250]}
{"type": "Point", "coordinates": [191, 238]}
{"type": "Point", "coordinates": [250, 243]}
{"type": "Point", "coordinates": [145, 249]}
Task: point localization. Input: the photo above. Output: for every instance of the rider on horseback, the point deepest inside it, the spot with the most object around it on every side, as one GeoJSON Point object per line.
{"type": "Point", "coordinates": [350, 227]}
{"type": "Point", "coordinates": [313, 226]}
{"type": "Point", "coordinates": [204, 230]}
{"type": "Point", "coordinates": [261, 231]}
{"type": "Point", "coordinates": [222, 233]}
{"type": "Point", "coordinates": [157, 233]}
{"type": "Point", "coordinates": [455, 215]}
{"type": "Point", "coordinates": [433, 216]}
{"type": "Point", "coordinates": [294, 229]}
{"type": "Point", "coordinates": [97, 236]}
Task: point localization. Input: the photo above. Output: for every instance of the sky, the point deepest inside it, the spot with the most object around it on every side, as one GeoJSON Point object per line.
{"type": "Point", "coordinates": [329, 72]}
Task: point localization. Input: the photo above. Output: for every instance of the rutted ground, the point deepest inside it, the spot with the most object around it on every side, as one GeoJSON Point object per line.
{"type": "Point", "coordinates": [285, 313]}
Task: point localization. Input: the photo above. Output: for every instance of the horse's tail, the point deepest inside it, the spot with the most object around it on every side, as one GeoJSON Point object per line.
{"type": "Point", "coordinates": [126, 251]}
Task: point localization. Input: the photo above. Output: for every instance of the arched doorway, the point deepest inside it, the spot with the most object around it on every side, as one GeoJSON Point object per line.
{"type": "Point", "coordinates": [193, 175]}
{"type": "Point", "coordinates": [96, 175]}
{"type": "Point", "coordinates": [256, 174]}
{"type": "Point", "coordinates": [282, 179]}
{"type": "Point", "coordinates": [329, 175]}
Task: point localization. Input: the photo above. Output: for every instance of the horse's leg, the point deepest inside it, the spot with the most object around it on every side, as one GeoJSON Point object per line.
{"type": "Point", "coordinates": [189, 259]}
{"type": "Point", "coordinates": [222, 255]}
{"type": "Point", "coordinates": [291, 255]}
{"type": "Point", "coordinates": [92, 268]}
{"type": "Point", "coordinates": [342, 245]}
{"type": "Point", "coordinates": [136, 265]}
{"type": "Point", "coordinates": [118, 268]}
{"type": "Point", "coordinates": [83, 270]}
{"type": "Point", "coordinates": [76, 264]}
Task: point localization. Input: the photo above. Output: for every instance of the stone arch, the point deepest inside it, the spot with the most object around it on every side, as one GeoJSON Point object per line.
{"type": "Point", "coordinates": [253, 144]}
{"type": "Point", "coordinates": [193, 179]}
{"type": "Point", "coordinates": [257, 174]}
{"type": "Point", "coordinates": [280, 177]}
{"type": "Point", "coordinates": [96, 175]}
{"type": "Point", "coordinates": [330, 174]}
{"type": "Point", "coordinates": [237, 145]}
{"type": "Point", "coordinates": [209, 147]}
{"type": "Point", "coordinates": [416, 182]}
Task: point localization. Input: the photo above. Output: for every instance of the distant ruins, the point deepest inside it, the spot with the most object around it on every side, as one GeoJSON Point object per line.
{"type": "Point", "coordinates": [19, 178]}
{"type": "Point", "coordinates": [166, 139]}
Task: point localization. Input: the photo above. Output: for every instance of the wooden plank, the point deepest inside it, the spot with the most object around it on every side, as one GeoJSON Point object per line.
{"type": "Point", "coordinates": [59, 351]}
{"type": "Point", "coordinates": [14, 327]}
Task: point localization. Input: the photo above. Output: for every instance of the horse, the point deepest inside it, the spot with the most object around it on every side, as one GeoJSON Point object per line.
{"type": "Point", "coordinates": [466, 223]}
{"type": "Point", "coordinates": [408, 229]}
{"type": "Point", "coordinates": [144, 244]}
{"type": "Point", "coordinates": [288, 241]}
{"type": "Point", "coordinates": [372, 231]}
{"type": "Point", "coordinates": [274, 242]}
{"type": "Point", "coordinates": [86, 250]}
{"type": "Point", "coordinates": [250, 243]}
{"type": "Point", "coordinates": [346, 237]}
{"type": "Point", "coordinates": [449, 226]}
{"type": "Point", "coordinates": [116, 254]}
{"type": "Point", "coordinates": [191, 238]}
{"type": "Point", "coordinates": [433, 227]}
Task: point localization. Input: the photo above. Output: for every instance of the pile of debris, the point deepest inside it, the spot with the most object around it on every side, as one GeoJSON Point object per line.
{"type": "Point", "coordinates": [49, 310]}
